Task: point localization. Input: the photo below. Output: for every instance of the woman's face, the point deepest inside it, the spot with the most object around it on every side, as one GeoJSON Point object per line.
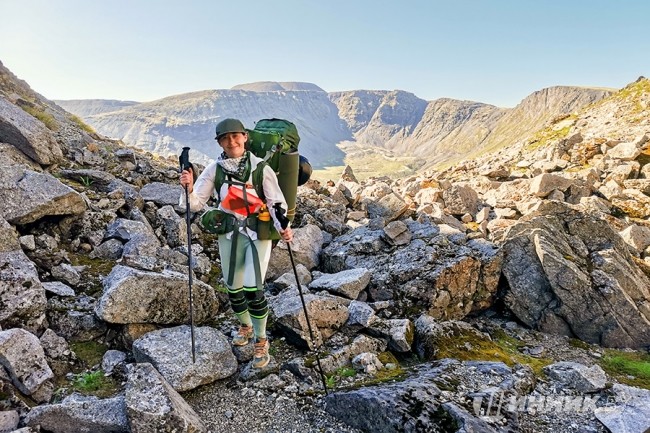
{"type": "Point", "coordinates": [233, 143]}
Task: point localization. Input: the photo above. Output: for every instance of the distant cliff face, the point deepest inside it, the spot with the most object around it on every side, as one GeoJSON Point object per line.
{"type": "Point", "coordinates": [446, 130]}
{"type": "Point", "coordinates": [380, 118]}
{"type": "Point", "coordinates": [89, 107]}
{"type": "Point", "coordinates": [166, 125]}
{"type": "Point", "coordinates": [435, 132]}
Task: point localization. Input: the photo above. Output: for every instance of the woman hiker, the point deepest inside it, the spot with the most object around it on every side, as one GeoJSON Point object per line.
{"type": "Point", "coordinates": [244, 253]}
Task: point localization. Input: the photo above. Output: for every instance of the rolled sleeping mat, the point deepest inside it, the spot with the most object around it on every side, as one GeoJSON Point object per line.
{"type": "Point", "coordinates": [288, 180]}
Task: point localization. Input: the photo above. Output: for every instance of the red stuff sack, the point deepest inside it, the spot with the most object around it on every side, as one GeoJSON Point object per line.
{"type": "Point", "coordinates": [234, 201]}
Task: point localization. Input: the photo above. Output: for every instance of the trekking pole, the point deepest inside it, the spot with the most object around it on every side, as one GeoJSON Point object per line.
{"type": "Point", "coordinates": [284, 222]}
{"type": "Point", "coordinates": [184, 160]}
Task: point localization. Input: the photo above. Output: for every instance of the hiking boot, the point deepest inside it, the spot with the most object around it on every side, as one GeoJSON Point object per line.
{"type": "Point", "coordinates": [244, 334]}
{"type": "Point", "coordinates": [262, 357]}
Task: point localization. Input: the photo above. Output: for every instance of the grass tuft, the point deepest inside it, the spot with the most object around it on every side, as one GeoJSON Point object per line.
{"type": "Point", "coordinates": [81, 124]}
{"type": "Point", "coordinates": [47, 119]}
{"type": "Point", "coordinates": [95, 383]}
{"type": "Point", "coordinates": [630, 368]}
{"type": "Point", "coordinates": [503, 348]}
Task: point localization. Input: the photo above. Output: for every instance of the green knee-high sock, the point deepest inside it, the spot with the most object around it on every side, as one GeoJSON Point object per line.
{"type": "Point", "coordinates": [259, 310]}
{"type": "Point", "coordinates": [238, 302]}
{"type": "Point", "coordinates": [259, 326]}
{"type": "Point", "coordinates": [245, 318]}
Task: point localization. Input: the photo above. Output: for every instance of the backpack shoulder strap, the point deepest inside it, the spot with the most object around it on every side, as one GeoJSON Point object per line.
{"type": "Point", "coordinates": [258, 179]}
{"type": "Point", "coordinates": [219, 179]}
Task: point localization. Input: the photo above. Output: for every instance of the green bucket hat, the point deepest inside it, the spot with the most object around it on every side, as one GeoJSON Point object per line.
{"type": "Point", "coordinates": [229, 125]}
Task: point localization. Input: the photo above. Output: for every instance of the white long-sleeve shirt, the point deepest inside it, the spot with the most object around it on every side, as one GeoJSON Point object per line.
{"type": "Point", "coordinates": [204, 189]}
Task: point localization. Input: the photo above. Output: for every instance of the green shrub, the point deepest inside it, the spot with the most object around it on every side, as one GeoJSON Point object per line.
{"type": "Point", "coordinates": [94, 383]}
{"type": "Point", "coordinates": [88, 382]}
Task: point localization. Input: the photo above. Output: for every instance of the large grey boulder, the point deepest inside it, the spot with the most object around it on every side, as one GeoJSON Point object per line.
{"type": "Point", "coordinates": [544, 184]}
{"type": "Point", "coordinates": [432, 336]}
{"type": "Point", "coordinates": [637, 237]}
{"type": "Point", "coordinates": [289, 278]}
{"type": "Point", "coordinates": [161, 193]}
{"type": "Point", "coordinates": [152, 405]}
{"type": "Point", "coordinates": [59, 289]}
{"type": "Point", "coordinates": [417, 403]}
{"type": "Point", "coordinates": [28, 196]}
{"type": "Point", "coordinates": [569, 273]}
{"type": "Point", "coordinates": [135, 296]}
{"type": "Point", "coordinates": [413, 405]}
{"type": "Point", "coordinates": [624, 151]}
{"type": "Point", "coordinates": [141, 251]}
{"type": "Point", "coordinates": [326, 314]}
{"type": "Point", "coordinates": [390, 207]}
{"type": "Point", "coordinates": [113, 360]}
{"type": "Point", "coordinates": [360, 315]}
{"type": "Point", "coordinates": [573, 375]}
{"type": "Point", "coordinates": [306, 247]}
{"type": "Point", "coordinates": [82, 415]}
{"type": "Point", "coordinates": [348, 283]}
{"type": "Point", "coordinates": [460, 199]}
{"type": "Point", "coordinates": [66, 273]}
{"type": "Point", "coordinates": [170, 351]}
{"type": "Point", "coordinates": [22, 295]}
{"type": "Point", "coordinates": [28, 134]}
{"type": "Point", "coordinates": [125, 229]}
{"type": "Point", "coordinates": [398, 332]}
{"type": "Point", "coordinates": [22, 355]}
{"type": "Point", "coordinates": [409, 406]}
{"type": "Point", "coordinates": [9, 420]}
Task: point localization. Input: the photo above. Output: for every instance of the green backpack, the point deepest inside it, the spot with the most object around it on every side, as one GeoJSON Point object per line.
{"type": "Point", "coordinates": [276, 142]}
{"type": "Point", "coordinates": [272, 137]}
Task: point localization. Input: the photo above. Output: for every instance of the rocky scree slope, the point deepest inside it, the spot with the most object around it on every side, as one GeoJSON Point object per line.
{"type": "Point", "coordinates": [94, 254]}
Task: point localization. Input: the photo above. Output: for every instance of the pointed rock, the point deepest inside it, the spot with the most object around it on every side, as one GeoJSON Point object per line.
{"type": "Point", "coordinates": [348, 283]}
{"type": "Point", "coordinates": [28, 196]}
{"type": "Point", "coordinates": [22, 295]}
{"type": "Point", "coordinates": [152, 405]}
{"type": "Point", "coordinates": [569, 273]}
{"type": "Point", "coordinates": [28, 134]}
{"type": "Point", "coordinates": [22, 355]}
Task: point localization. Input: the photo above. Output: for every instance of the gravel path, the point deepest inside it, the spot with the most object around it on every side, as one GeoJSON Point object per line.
{"type": "Point", "coordinates": [233, 407]}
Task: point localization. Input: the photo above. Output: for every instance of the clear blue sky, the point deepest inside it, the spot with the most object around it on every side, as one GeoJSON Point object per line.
{"type": "Point", "coordinates": [493, 51]}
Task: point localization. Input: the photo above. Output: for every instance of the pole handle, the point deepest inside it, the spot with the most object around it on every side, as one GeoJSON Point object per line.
{"type": "Point", "coordinates": [184, 159]}
{"type": "Point", "coordinates": [280, 215]}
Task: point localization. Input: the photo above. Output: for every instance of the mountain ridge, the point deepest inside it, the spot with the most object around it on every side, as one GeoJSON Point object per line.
{"type": "Point", "coordinates": [433, 133]}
